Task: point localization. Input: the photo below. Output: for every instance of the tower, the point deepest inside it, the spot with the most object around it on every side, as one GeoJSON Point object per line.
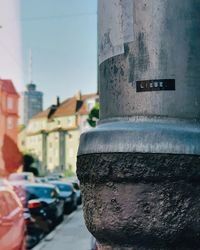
{"type": "Point", "coordinates": [31, 98]}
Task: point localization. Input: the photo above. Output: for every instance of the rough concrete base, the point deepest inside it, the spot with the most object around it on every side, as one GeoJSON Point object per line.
{"type": "Point", "coordinates": [138, 201]}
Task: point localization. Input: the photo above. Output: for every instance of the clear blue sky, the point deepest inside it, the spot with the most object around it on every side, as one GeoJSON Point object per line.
{"type": "Point", "coordinates": [63, 38]}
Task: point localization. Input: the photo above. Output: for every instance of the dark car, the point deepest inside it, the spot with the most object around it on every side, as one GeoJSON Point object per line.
{"type": "Point", "coordinates": [43, 202]}
{"type": "Point", "coordinates": [41, 180]}
{"type": "Point", "coordinates": [33, 231]}
{"type": "Point", "coordinates": [68, 194]}
{"type": "Point", "coordinates": [78, 191]}
{"type": "Point", "coordinates": [76, 185]}
{"type": "Point", "coordinates": [12, 225]}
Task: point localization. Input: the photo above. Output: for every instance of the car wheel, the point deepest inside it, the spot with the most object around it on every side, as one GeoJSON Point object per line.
{"type": "Point", "coordinates": [51, 225]}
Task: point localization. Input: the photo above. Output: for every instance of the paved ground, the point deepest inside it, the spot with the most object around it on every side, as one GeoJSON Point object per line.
{"type": "Point", "coordinates": [70, 235]}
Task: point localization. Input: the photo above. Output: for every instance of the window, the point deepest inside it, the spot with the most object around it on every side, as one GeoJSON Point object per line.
{"type": "Point", "coordinates": [64, 187]}
{"type": "Point", "coordinates": [40, 192]}
{"type": "Point", "coordinates": [10, 123]}
{"type": "Point", "coordinates": [9, 103]}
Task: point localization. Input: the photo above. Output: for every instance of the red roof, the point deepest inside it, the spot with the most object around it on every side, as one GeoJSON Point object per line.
{"type": "Point", "coordinates": [8, 87]}
{"type": "Point", "coordinates": [84, 109]}
{"type": "Point", "coordinates": [66, 108]}
{"type": "Point", "coordinates": [69, 107]}
{"type": "Point", "coordinates": [42, 114]}
{"type": "Point", "coordinates": [88, 96]}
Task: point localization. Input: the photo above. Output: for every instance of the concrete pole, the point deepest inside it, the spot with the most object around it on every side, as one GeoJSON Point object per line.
{"type": "Point", "coordinates": [140, 167]}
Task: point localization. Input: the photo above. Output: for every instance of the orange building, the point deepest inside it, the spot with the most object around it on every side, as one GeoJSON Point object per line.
{"type": "Point", "coordinates": [10, 158]}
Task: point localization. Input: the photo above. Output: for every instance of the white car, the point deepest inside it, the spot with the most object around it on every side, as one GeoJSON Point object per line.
{"type": "Point", "coordinates": [23, 176]}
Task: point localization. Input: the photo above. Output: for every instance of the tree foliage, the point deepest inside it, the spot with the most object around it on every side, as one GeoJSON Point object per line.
{"type": "Point", "coordinates": [93, 116]}
{"type": "Point", "coordinates": [28, 160]}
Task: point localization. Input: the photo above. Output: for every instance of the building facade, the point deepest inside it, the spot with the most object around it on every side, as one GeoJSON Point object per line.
{"type": "Point", "coordinates": [52, 136]}
{"type": "Point", "coordinates": [10, 157]}
{"type": "Point", "coordinates": [31, 102]}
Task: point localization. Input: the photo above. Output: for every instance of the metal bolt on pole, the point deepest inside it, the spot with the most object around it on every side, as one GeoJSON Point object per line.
{"type": "Point", "coordinates": [140, 167]}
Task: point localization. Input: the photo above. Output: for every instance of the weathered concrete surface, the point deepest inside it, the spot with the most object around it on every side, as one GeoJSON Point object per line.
{"type": "Point", "coordinates": [142, 201]}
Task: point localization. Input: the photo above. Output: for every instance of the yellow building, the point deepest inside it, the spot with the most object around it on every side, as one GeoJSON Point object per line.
{"type": "Point", "coordinates": [21, 139]}
{"type": "Point", "coordinates": [52, 136]}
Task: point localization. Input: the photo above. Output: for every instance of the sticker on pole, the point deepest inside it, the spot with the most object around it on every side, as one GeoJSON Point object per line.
{"type": "Point", "coordinates": [115, 27]}
{"type": "Point", "coordinates": [156, 85]}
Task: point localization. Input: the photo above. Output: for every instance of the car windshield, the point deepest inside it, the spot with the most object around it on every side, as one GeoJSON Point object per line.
{"type": "Point", "coordinates": [40, 192]}
{"type": "Point", "coordinates": [64, 187]}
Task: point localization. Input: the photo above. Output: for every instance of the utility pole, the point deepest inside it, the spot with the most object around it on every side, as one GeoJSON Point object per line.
{"type": "Point", "coordinates": [140, 167]}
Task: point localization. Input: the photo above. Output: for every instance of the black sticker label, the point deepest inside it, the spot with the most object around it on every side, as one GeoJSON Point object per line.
{"type": "Point", "coordinates": [155, 85]}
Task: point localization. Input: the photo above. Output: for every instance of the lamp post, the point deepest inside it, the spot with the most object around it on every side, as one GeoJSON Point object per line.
{"type": "Point", "coordinates": [139, 168]}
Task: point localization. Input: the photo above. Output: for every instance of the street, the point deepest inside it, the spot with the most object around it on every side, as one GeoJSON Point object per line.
{"type": "Point", "coordinates": [72, 234]}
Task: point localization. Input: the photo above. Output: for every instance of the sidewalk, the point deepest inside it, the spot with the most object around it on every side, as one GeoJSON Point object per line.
{"type": "Point", "coordinates": [70, 235]}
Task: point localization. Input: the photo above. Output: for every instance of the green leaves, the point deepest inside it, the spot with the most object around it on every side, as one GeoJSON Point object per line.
{"type": "Point", "coordinates": [94, 116]}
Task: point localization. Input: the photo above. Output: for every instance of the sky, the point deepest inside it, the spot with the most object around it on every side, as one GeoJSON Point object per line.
{"type": "Point", "coordinates": [63, 37]}
{"type": "Point", "coordinates": [10, 42]}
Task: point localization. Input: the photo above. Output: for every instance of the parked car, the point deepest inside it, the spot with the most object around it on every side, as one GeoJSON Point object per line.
{"type": "Point", "coordinates": [33, 231]}
{"type": "Point", "coordinates": [76, 185]}
{"type": "Point", "coordinates": [12, 224]}
{"type": "Point", "coordinates": [55, 177]}
{"type": "Point", "coordinates": [43, 202]}
{"type": "Point", "coordinates": [52, 178]}
{"type": "Point", "coordinates": [58, 175]}
{"type": "Point", "coordinates": [78, 191]}
{"type": "Point", "coordinates": [24, 176]}
{"type": "Point", "coordinates": [68, 194]}
{"type": "Point", "coordinates": [41, 180]}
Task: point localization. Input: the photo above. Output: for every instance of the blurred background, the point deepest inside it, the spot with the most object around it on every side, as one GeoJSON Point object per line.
{"type": "Point", "coordinates": [48, 97]}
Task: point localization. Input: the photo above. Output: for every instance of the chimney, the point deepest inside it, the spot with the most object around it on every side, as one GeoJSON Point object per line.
{"type": "Point", "coordinates": [78, 96]}
{"type": "Point", "coordinates": [52, 110]}
{"type": "Point", "coordinates": [58, 101]}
